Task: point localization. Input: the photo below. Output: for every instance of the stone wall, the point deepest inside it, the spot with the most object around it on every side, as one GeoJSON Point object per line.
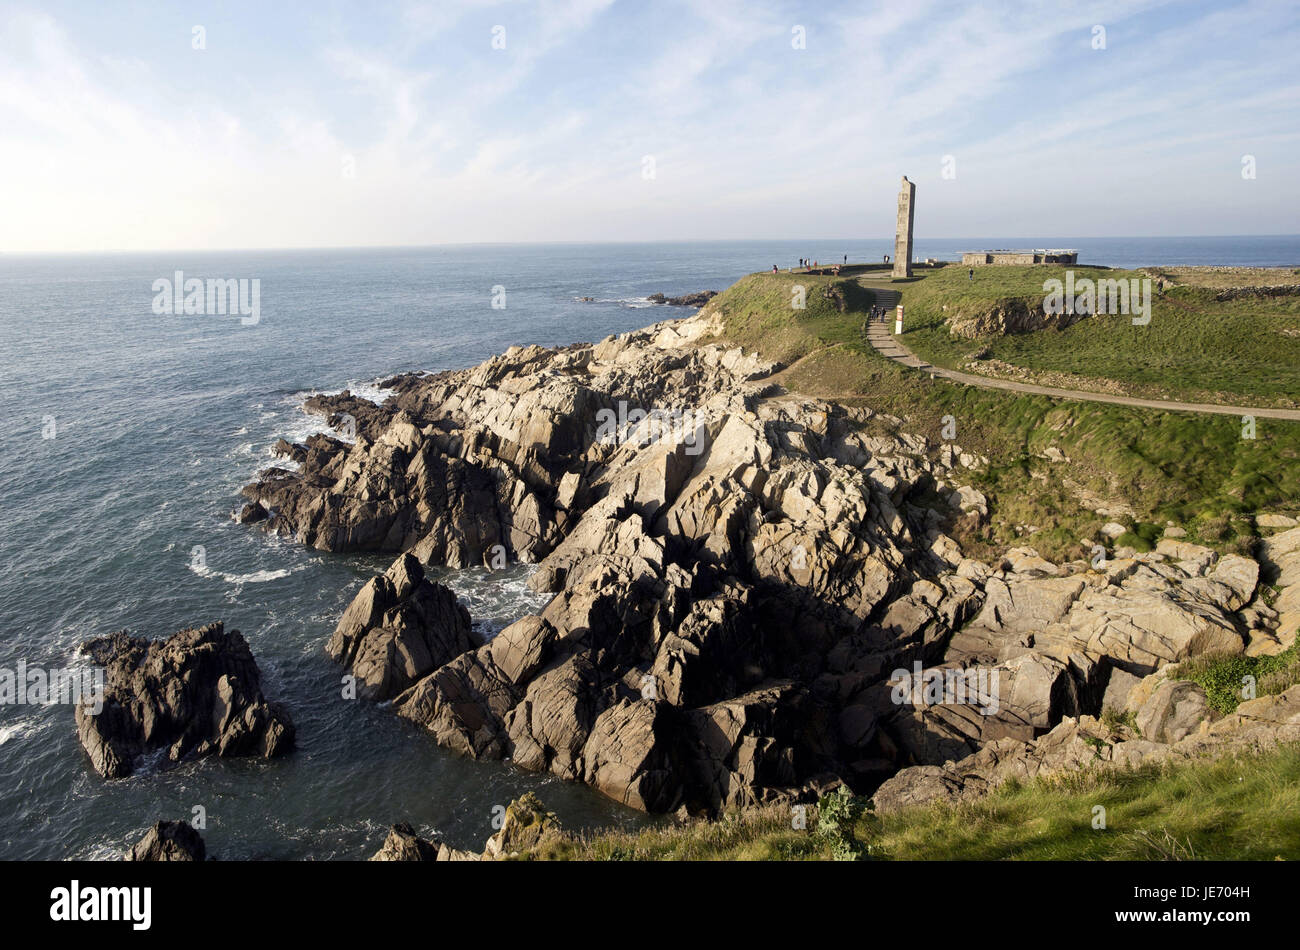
{"type": "Point", "coordinates": [1004, 258]}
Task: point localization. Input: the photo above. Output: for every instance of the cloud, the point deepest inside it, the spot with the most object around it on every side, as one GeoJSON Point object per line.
{"type": "Point", "coordinates": [404, 125]}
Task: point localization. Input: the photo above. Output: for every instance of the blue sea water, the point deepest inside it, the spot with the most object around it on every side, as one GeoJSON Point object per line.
{"type": "Point", "coordinates": [157, 420]}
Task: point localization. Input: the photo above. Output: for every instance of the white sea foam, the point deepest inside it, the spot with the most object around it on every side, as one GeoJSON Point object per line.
{"type": "Point", "coordinates": [303, 424]}
{"type": "Point", "coordinates": [256, 577]}
{"type": "Point", "coordinates": [22, 728]}
{"type": "Point", "coordinates": [632, 303]}
{"type": "Point", "coordinates": [372, 392]}
{"type": "Point", "coordinates": [495, 599]}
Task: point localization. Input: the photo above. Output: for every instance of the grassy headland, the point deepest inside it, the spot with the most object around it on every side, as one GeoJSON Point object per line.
{"type": "Point", "coordinates": [1144, 467]}
{"type": "Point", "coordinates": [1242, 351]}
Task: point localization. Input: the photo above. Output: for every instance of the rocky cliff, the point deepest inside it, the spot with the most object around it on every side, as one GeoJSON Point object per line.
{"type": "Point", "coordinates": [738, 576]}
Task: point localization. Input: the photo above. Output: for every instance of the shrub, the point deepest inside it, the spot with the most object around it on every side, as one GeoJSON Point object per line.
{"type": "Point", "coordinates": [1222, 675]}
{"type": "Point", "coordinates": [1130, 540]}
{"type": "Point", "coordinates": [837, 814]}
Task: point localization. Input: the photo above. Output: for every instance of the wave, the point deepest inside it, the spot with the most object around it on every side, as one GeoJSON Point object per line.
{"type": "Point", "coordinates": [301, 424]}
{"type": "Point", "coordinates": [22, 729]}
{"type": "Point", "coordinates": [256, 577]}
{"type": "Point", "coordinates": [631, 303]}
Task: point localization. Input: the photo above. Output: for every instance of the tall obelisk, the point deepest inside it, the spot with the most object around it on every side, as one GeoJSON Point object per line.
{"type": "Point", "coordinates": [903, 238]}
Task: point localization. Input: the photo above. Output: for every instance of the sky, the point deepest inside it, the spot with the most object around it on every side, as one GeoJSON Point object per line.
{"type": "Point", "coordinates": [141, 126]}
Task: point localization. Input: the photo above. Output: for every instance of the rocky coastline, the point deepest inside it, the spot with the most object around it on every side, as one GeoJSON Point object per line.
{"type": "Point", "coordinates": [738, 574]}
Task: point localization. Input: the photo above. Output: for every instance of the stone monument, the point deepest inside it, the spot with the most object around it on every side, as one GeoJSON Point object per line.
{"type": "Point", "coordinates": [903, 238]}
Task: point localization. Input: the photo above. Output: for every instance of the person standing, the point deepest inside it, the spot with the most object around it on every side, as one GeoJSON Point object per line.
{"type": "Point", "coordinates": [972, 274]}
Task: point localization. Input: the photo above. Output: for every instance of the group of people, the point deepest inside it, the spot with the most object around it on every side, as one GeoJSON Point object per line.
{"type": "Point", "coordinates": [880, 313]}
{"type": "Point", "coordinates": [806, 264]}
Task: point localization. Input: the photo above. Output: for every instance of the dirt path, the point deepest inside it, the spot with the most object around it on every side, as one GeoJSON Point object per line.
{"type": "Point", "coordinates": [880, 337]}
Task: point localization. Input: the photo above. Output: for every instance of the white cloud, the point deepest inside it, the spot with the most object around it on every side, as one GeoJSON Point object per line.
{"type": "Point", "coordinates": [451, 141]}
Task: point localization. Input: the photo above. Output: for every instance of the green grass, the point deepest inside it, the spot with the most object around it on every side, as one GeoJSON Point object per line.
{"type": "Point", "coordinates": [1222, 675]}
{"type": "Point", "coordinates": [1194, 470]}
{"type": "Point", "coordinates": [1233, 808]}
{"type": "Point", "coordinates": [1244, 352]}
{"type": "Point", "coordinates": [760, 314]}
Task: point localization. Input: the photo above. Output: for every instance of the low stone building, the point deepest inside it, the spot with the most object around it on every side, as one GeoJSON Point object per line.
{"type": "Point", "coordinates": [1041, 256]}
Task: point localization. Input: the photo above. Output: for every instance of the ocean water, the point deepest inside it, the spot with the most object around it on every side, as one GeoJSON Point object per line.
{"type": "Point", "coordinates": [129, 434]}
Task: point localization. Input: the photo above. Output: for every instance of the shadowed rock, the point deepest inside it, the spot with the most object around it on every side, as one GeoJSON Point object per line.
{"type": "Point", "coordinates": [400, 627]}
{"type": "Point", "coordinates": [196, 693]}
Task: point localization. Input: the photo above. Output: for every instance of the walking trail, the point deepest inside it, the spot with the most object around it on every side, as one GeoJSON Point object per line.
{"type": "Point", "coordinates": [879, 336]}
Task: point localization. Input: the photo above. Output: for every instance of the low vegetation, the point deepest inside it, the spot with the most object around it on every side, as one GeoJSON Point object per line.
{"type": "Point", "coordinates": [1234, 808]}
{"type": "Point", "coordinates": [1196, 348]}
{"type": "Point", "coordinates": [1225, 677]}
{"type": "Point", "coordinates": [1140, 466]}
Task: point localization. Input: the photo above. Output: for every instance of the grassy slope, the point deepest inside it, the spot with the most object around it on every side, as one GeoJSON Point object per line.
{"type": "Point", "coordinates": [1195, 348]}
{"type": "Point", "coordinates": [1193, 470]}
{"type": "Point", "coordinates": [1233, 808]}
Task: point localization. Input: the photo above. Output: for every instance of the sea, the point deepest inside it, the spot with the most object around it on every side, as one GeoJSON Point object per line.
{"type": "Point", "coordinates": [130, 432]}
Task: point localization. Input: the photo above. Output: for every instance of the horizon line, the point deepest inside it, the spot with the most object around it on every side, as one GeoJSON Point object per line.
{"type": "Point", "coordinates": [589, 243]}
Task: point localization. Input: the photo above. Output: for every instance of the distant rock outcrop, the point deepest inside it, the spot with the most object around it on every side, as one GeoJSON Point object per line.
{"type": "Point", "coordinates": [196, 693]}
{"type": "Point", "coordinates": [169, 841]}
{"type": "Point", "coordinates": [698, 299]}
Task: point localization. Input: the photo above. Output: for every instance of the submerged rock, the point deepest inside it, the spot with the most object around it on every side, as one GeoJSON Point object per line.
{"type": "Point", "coordinates": [196, 693]}
{"type": "Point", "coordinates": [698, 299]}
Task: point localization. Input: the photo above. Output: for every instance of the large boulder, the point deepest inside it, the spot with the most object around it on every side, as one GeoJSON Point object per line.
{"type": "Point", "coordinates": [399, 628]}
{"type": "Point", "coordinates": [464, 703]}
{"type": "Point", "coordinates": [1175, 710]}
{"type": "Point", "coordinates": [627, 756]}
{"type": "Point", "coordinates": [525, 825]}
{"type": "Point", "coordinates": [196, 693]}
